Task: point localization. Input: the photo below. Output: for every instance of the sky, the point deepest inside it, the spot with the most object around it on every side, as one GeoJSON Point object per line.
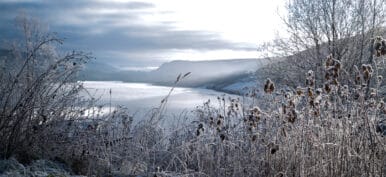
{"type": "Point", "coordinates": [145, 33]}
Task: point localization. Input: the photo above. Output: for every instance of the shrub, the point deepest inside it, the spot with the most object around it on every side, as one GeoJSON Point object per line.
{"type": "Point", "coordinates": [308, 131]}
{"type": "Point", "coordinates": [38, 89]}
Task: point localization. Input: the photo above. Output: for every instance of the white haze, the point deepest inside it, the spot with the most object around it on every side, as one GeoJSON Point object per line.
{"type": "Point", "coordinates": [141, 98]}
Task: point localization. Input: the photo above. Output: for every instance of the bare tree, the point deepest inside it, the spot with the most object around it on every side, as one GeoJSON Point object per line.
{"type": "Point", "coordinates": [318, 28]}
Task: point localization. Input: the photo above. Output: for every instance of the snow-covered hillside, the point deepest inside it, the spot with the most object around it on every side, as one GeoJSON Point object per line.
{"type": "Point", "coordinates": [216, 74]}
{"type": "Point", "coordinates": [206, 72]}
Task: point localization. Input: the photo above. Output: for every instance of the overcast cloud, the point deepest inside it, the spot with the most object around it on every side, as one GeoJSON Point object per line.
{"type": "Point", "coordinates": [119, 32]}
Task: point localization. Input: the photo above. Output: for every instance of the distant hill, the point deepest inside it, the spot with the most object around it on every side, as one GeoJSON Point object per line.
{"type": "Point", "coordinates": [205, 72]}
{"type": "Point", "coordinates": [210, 74]}
{"type": "Point", "coordinates": [225, 75]}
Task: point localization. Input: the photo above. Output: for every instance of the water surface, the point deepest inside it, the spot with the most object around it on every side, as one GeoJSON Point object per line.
{"type": "Point", "coordinates": [140, 98]}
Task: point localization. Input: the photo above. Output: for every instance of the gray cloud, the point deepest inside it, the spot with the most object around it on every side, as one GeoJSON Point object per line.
{"type": "Point", "coordinates": [85, 27]}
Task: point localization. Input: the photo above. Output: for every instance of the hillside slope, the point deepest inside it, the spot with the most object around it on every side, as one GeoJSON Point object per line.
{"type": "Point", "coordinates": [215, 74]}
{"type": "Point", "coordinates": [224, 75]}
{"type": "Point", "coordinates": [206, 72]}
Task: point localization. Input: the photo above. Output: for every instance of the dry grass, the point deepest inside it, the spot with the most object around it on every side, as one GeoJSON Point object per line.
{"type": "Point", "coordinates": [334, 130]}
{"type": "Point", "coordinates": [308, 131]}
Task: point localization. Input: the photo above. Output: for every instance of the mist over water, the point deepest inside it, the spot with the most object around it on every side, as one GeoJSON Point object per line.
{"type": "Point", "coordinates": [141, 98]}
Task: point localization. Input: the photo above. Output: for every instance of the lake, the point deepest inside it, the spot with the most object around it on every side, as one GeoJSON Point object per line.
{"type": "Point", "coordinates": [140, 98]}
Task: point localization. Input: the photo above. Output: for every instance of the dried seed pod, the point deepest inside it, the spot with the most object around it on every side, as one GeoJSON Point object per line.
{"type": "Point", "coordinates": [318, 91]}
{"type": "Point", "coordinates": [310, 79]}
{"type": "Point", "coordinates": [219, 122]}
{"type": "Point", "coordinates": [383, 50]}
{"type": "Point", "coordinates": [377, 43]}
{"type": "Point", "coordinates": [381, 104]}
{"type": "Point", "coordinates": [366, 75]}
{"type": "Point", "coordinates": [373, 92]}
{"type": "Point", "coordinates": [311, 102]}
{"type": "Point", "coordinates": [198, 132]}
{"type": "Point", "coordinates": [316, 112]}
{"type": "Point", "coordinates": [211, 121]}
{"type": "Point", "coordinates": [274, 148]}
{"type": "Point", "coordinates": [280, 174]}
{"type": "Point", "coordinates": [299, 91]}
{"type": "Point", "coordinates": [310, 92]}
{"type": "Point", "coordinates": [291, 103]}
{"type": "Point", "coordinates": [288, 95]}
{"type": "Point", "coordinates": [327, 87]}
{"type": "Point", "coordinates": [370, 68]}
{"type": "Point", "coordinates": [379, 46]}
{"type": "Point", "coordinates": [310, 73]}
{"type": "Point", "coordinates": [358, 80]}
{"type": "Point", "coordinates": [367, 71]}
{"type": "Point", "coordinates": [372, 102]}
{"type": "Point", "coordinates": [272, 87]}
{"type": "Point", "coordinates": [382, 107]}
{"type": "Point", "coordinates": [256, 110]}
{"type": "Point", "coordinates": [269, 86]}
{"type": "Point", "coordinates": [364, 67]}
{"type": "Point", "coordinates": [292, 116]}
{"type": "Point", "coordinates": [380, 78]}
{"type": "Point", "coordinates": [222, 137]}
{"type": "Point", "coordinates": [329, 61]}
{"type": "Point", "coordinates": [310, 82]}
{"type": "Point", "coordinates": [200, 126]}
{"type": "Point", "coordinates": [335, 82]}
{"type": "Point", "coordinates": [327, 76]}
{"type": "Point", "coordinates": [337, 66]}
{"type": "Point", "coordinates": [254, 137]}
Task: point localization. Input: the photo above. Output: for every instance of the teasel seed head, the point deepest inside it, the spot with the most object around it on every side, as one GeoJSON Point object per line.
{"type": "Point", "coordinates": [269, 86]}
{"type": "Point", "coordinates": [310, 92]}
{"type": "Point", "coordinates": [380, 78]}
{"type": "Point", "coordinates": [327, 87]}
{"type": "Point", "coordinates": [274, 148]}
{"type": "Point", "coordinates": [329, 61]}
{"type": "Point", "coordinates": [299, 91]}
